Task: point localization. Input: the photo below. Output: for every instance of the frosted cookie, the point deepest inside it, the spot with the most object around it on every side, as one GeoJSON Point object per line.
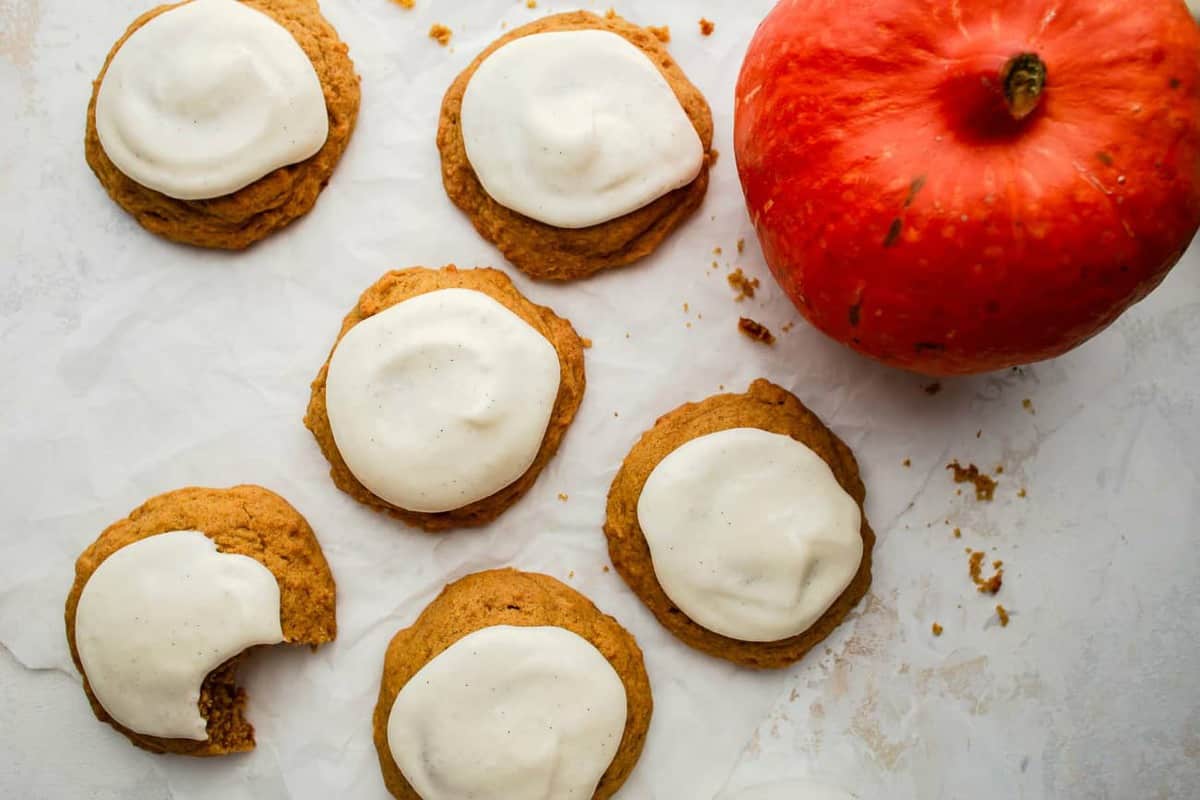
{"type": "Point", "coordinates": [511, 686]}
{"type": "Point", "coordinates": [575, 143]}
{"type": "Point", "coordinates": [738, 521]}
{"type": "Point", "coordinates": [445, 395]}
{"type": "Point", "coordinates": [166, 602]}
{"type": "Point", "coordinates": [216, 122]}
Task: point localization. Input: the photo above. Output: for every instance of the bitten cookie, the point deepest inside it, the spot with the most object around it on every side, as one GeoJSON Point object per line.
{"type": "Point", "coordinates": [190, 578]}
{"type": "Point", "coordinates": [571, 695]}
{"type": "Point", "coordinates": [738, 522]}
{"type": "Point", "coordinates": [549, 188]}
{"type": "Point", "coordinates": [236, 118]}
{"type": "Point", "coordinates": [445, 395]}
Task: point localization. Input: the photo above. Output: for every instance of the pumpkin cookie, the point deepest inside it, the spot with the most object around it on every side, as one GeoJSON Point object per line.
{"type": "Point", "coordinates": [738, 521]}
{"type": "Point", "coordinates": [541, 650]}
{"type": "Point", "coordinates": [563, 201]}
{"type": "Point", "coordinates": [212, 571]}
{"type": "Point", "coordinates": [445, 395]}
{"type": "Point", "coordinates": [231, 157]}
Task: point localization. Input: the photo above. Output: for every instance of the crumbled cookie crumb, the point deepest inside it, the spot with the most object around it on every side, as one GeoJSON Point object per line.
{"type": "Point", "coordinates": [1022, 493]}
{"type": "Point", "coordinates": [440, 34]}
{"type": "Point", "coordinates": [958, 533]}
{"type": "Point", "coordinates": [756, 330]}
{"type": "Point", "coordinates": [531, 3]}
{"type": "Point", "coordinates": [610, 14]}
{"type": "Point", "coordinates": [741, 245]}
{"type": "Point", "coordinates": [985, 585]}
{"type": "Point", "coordinates": [715, 265]}
{"type": "Point", "coordinates": [571, 575]}
{"type": "Point", "coordinates": [587, 343]}
{"type": "Point", "coordinates": [744, 286]}
{"type": "Point", "coordinates": [706, 26]}
{"type": "Point", "coordinates": [661, 32]}
{"type": "Point", "coordinates": [563, 497]}
{"type": "Point", "coordinates": [405, 3]}
{"type": "Point", "coordinates": [985, 486]}
{"type": "Point", "coordinates": [687, 325]}
{"type": "Point", "coordinates": [1027, 404]}
{"type": "Point", "coordinates": [936, 629]}
{"type": "Point", "coordinates": [716, 251]}
{"type": "Point", "coordinates": [606, 568]}
{"type": "Point", "coordinates": [685, 308]}
{"type": "Point", "coordinates": [907, 462]}
{"type": "Point", "coordinates": [787, 328]}
{"type": "Point", "coordinates": [1002, 613]}
{"type": "Point", "coordinates": [933, 388]}
{"type": "Point", "coordinates": [979, 433]}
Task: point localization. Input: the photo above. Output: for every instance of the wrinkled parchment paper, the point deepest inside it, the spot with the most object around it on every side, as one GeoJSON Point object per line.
{"type": "Point", "coordinates": [133, 366]}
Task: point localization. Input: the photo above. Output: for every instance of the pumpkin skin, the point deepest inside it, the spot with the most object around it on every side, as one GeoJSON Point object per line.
{"type": "Point", "coordinates": [908, 214]}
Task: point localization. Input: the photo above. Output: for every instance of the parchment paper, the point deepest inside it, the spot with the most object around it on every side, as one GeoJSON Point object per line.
{"type": "Point", "coordinates": [133, 366]}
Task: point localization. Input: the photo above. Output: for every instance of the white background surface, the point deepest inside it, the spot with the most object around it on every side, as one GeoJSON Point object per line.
{"type": "Point", "coordinates": [132, 366]}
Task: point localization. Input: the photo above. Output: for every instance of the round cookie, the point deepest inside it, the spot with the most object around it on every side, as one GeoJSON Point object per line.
{"type": "Point", "coordinates": [544, 251]}
{"type": "Point", "coordinates": [764, 406]}
{"type": "Point", "coordinates": [509, 597]}
{"type": "Point", "coordinates": [400, 285]}
{"type": "Point", "coordinates": [246, 520]}
{"type": "Point", "coordinates": [237, 220]}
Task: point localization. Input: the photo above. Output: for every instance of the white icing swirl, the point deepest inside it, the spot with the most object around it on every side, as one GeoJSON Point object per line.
{"type": "Point", "coordinates": [750, 533]}
{"type": "Point", "coordinates": [160, 614]}
{"type": "Point", "coordinates": [441, 400]}
{"type": "Point", "coordinates": [207, 98]}
{"type": "Point", "coordinates": [576, 128]}
{"type": "Point", "coordinates": [509, 713]}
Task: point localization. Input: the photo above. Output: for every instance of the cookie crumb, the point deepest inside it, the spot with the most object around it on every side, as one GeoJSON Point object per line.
{"type": "Point", "coordinates": [716, 251]}
{"type": "Point", "coordinates": [606, 569]}
{"type": "Point", "coordinates": [1022, 492]}
{"type": "Point", "coordinates": [744, 286]}
{"type": "Point", "coordinates": [1027, 404]}
{"type": "Point", "coordinates": [936, 629]}
{"type": "Point", "coordinates": [587, 343]}
{"type": "Point", "coordinates": [571, 575]}
{"type": "Point", "coordinates": [1002, 613]}
{"type": "Point", "coordinates": [440, 34]}
{"type": "Point", "coordinates": [626, 334]}
{"type": "Point", "coordinates": [531, 3]}
{"type": "Point", "coordinates": [706, 26]}
{"type": "Point", "coordinates": [405, 3]}
{"type": "Point", "coordinates": [610, 14]}
{"type": "Point", "coordinates": [715, 265]}
{"type": "Point", "coordinates": [985, 585]}
{"type": "Point", "coordinates": [985, 486]}
{"type": "Point", "coordinates": [741, 245]}
{"type": "Point", "coordinates": [721, 387]}
{"type": "Point", "coordinates": [687, 325]}
{"type": "Point", "coordinates": [563, 497]}
{"type": "Point", "coordinates": [907, 462]}
{"type": "Point", "coordinates": [787, 328]}
{"type": "Point", "coordinates": [933, 388]}
{"type": "Point", "coordinates": [979, 433]}
{"type": "Point", "coordinates": [685, 308]}
{"type": "Point", "coordinates": [661, 32]}
{"type": "Point", "coordinates": [615, 414]}
{"type": "Point", "coordinates": [756, 330]}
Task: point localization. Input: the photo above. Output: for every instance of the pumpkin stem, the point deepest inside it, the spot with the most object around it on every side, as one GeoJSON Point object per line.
{"type": "Point", "coordinates": [1022, 80]}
